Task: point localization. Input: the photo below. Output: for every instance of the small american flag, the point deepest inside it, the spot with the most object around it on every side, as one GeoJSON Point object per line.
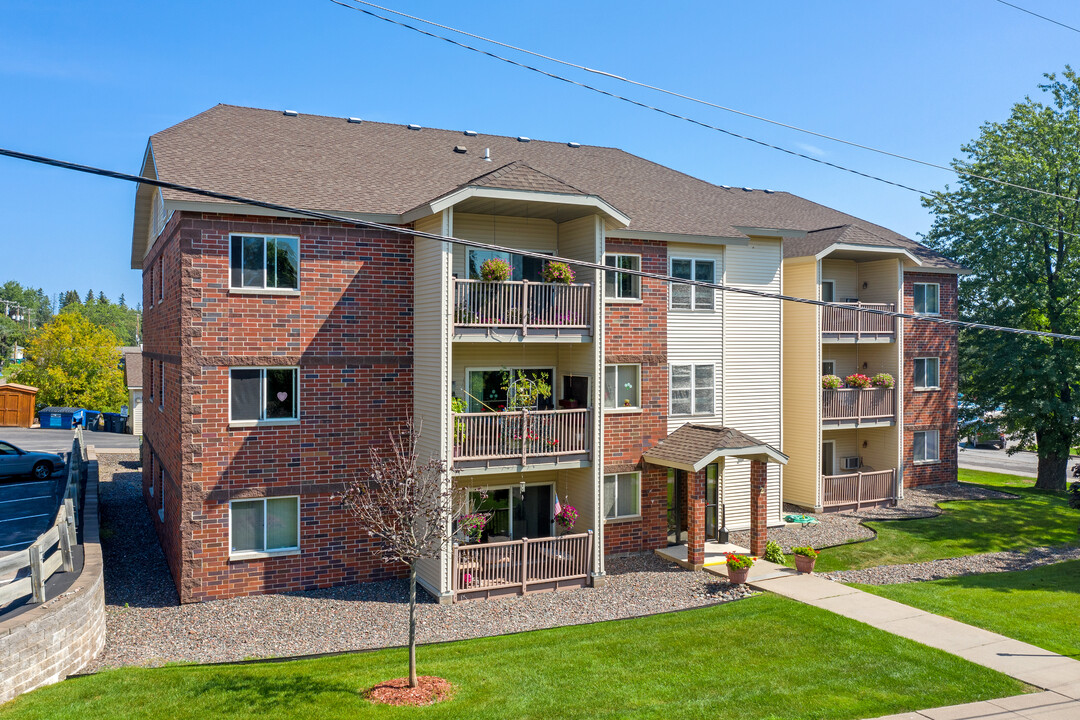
{"type": "Point", "coordinates": [558, 506]}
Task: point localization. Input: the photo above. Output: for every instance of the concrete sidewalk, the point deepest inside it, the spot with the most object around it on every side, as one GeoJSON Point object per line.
{"type": "Point", "coordinates": [1055, 673]}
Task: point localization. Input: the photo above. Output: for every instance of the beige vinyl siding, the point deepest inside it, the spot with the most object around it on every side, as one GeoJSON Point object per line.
{"type": "Point", "coordinates": [850, 358]}
{"type": "Point", "coordinates": [135, 407]}
{"type": "Point", "coordinates": [517, 232]}
{"type": "Point", "coordinates": [881, 447]}
{"type": "Point", "coordinates": [801, 384]}
{"type": "Point", "coordinates": [431, 362]}
{"type": "Point", "coordinates": [752, 369]}
{"type": "Point", "coordinates": [880, 277]}
{"type": "Point", "coordinates": [844, 274]}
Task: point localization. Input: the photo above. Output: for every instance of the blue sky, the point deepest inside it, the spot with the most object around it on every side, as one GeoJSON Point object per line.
{"type": "Point", "coordinates": [91, 81]}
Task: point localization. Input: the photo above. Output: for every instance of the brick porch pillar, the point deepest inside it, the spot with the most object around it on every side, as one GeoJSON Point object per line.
{"type": "Point", "coordinates": [759, 481]}
{"type": "Point", "coordinates": [695, 534]}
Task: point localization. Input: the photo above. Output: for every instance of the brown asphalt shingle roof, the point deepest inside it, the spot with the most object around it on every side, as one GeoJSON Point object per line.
{"type": "Point", "coordinates": [133, 369]}
{"type": "Point", "coordinates": [690, 444]}
{"type": "Point", "coordinates": [327, 163]}
{"type": "Point", "coordinates": [519, 176]}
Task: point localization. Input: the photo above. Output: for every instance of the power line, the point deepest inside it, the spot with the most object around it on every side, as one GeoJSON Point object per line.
{"type": "Point", "coordinates": [693, 121]}
{"type": "Point", "coordinates": [319, 215]}
{"type": "Point", "coordinates": [682, 96]}
{"type": "Point", "coordinates": [1042, 17]}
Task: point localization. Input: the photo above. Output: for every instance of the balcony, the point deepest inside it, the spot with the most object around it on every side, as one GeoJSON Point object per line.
{"type": "Point", "coordinates": [541, 311]}
{"type": "Point", "coordinates": [518, 567]}
{"type": "Point", "coordinates": [857, 490]}
{"type": "Point", "coordinates": [527, 437]}
{"type": "Point", "coordinates": [850, 325]}
{"type": "Point", "coordinates": [851, 407]}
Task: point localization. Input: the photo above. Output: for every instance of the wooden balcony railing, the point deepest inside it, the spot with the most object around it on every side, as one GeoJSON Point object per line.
{"type": "Point", "coordinates": [521, 566]}
{"type": "Point", "coordinates": [858, 489]}
{"type": "Point", "coordinates": [524, 436]}
{"type": "Point", "coordinates": [522, 305]}
{"type": "Point", "coordinates": [858, 404]}
{"type": "Point", "coordinates": [851, 322]}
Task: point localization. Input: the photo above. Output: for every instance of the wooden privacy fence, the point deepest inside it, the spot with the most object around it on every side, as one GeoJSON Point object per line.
{"type": "Point", "coordinates": [522, 304]}
{"type": "Point", "coordinates": [52, 551]}
{"type": "Point", "coordinates": [858, 489]}
{"type": "Point", "coordinates": [525, 434]}
{"type": "Point", "coordinates": [858, 404]}
{"type": "Point", "coordinates": [847, 321]}
{"type": "Point", "coordinates": [522, 566]}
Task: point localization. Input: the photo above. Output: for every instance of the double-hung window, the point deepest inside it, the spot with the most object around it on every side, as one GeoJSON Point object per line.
{"type": "Point", "coordinates": [264, 263]}
{"type": "Point", "coordinates": [926, 446]}
{"type": "Point", "coordinates": [161, 511]}
{"type": "Point", "coordinates": [622, 286]}
{"type": "Point", "coordinates": [688, 297]}
{"type": "Point", "coordinates": [161, 397]}
{"type": "Point", "coordinates": [692, 389]}
{"type": "Point", "coordinates": [926, 298]}
{"type": "Point", "coordinates": [263, 394]}
{"type": "Point", "coordinates": [152, 383]}
{"type": "Point", "coordinates": [926, 373]}
{"type": "Point", "coordinates": [161, 279]}
{"type": "Point", "coordinates": [622, 495]}
{"type": "Point", "coordinates": [265, 525]}
{"type": "Point", "coordinates": [622, 386]}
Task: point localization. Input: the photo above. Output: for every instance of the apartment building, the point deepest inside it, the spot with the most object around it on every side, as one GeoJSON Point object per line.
{"type": "Point", "coordinates": [279, 350]}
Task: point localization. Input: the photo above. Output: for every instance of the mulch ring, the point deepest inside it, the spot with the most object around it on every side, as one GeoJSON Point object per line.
{"type": "Point", "coordinates": [428, 691]}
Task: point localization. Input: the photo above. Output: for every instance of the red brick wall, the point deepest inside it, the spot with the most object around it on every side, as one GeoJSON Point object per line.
{"type": "Point", "coordinates": [636, 333]}
{"type": "Point", "coordinates": [931, 409]}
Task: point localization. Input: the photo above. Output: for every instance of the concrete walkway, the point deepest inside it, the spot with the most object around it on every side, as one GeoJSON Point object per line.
{"type": "Point", "coordinates": [1057, 674]}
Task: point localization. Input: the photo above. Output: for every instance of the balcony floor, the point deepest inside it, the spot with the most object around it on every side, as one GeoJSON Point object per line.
{"type": "Point", "coordinates": [512, 465]}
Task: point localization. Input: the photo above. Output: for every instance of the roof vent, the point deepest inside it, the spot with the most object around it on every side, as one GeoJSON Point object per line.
{"type": "Point", "coordinates": [769, 191]}
{"type": "Point", "coordinates": [726, 187]}
{"type": "Point", "coordinates": [413, 126]}
{"type": "Point", "coordinates": [746, 189]}
{"type": "Point", "coordinates": [460, 149]}
{"type": "Point", "coordinates": [573, 144]}
{"type": "Point", "coordinates": [357, 121]}
{"type": "Point", "coordinates": [487, 154]}
{"type": "Point", "coordinates": [522, 138]}
{"type": "Point", "coordinates": [470, 133]}
{"type": "Point", "coordinates": [290, 113]}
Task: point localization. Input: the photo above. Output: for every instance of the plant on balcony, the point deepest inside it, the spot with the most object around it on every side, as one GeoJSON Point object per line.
{"type": "Point", "coordinates": [857, 380]}
{"type": "Point", "coordinates": [883, 380]}
{"type": "Point", "coordinates": [495, 270]}
{"type": "Point", "coordinates": [738, 567]}
{"type": "Point", "coordinates": [524, 392]}
{"type": "Point", "coordinates": [831, 382]}
{"type": "Point", "coordinates": [805, 557]}
{"type": "Point", "coordinates": [472, 525]}
{"type": "Point", "coordinates": [566, 518]}
{"type": "Point", "coordinates": [558, 272]}
{"type": "Point", "coordinates": [458, 406]}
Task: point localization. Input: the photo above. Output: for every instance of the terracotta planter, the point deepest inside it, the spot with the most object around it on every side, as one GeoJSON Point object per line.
{"type": "Point", "coordinates": [804, 564]}
{"type": "Point", "coordinates": [737, 577]}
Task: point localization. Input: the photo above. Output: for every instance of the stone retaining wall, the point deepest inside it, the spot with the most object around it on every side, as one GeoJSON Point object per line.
{"type": "Point", "coordinates": [60, 636]}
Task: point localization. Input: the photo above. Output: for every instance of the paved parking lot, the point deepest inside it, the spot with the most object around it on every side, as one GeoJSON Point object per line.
{"type": "Point", "coordinates": [59, 441]}
{"type": "Point", "coordinates": [26, 509]}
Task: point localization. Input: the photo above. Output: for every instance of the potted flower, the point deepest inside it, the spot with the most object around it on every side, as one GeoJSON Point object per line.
{"type": "Point", "coordinates": [738, 567]}
{"type": "Point", "coordinates": [882, 380]}
{"type": "Point", "coordinates": [558, 272]}
{"type": "Point", "coordinates": [831, 382]}
{"type": "Point", "coordinates": [805, 557]}
{"type": "Point", "coordinates": [472, 526]}
{"type": "Point", "coordinates": [566, 517]}
{"type": "Point", "coordinates": [495, 270]}
{"type": "Point", "coordinates": [857, 380]}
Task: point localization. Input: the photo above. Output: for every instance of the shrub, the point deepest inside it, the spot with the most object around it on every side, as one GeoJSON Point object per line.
{"type": "Point", "coordinates": [831, 382]}
{"type": "Point", "coordinates": [558, 272]}
{"type": "Point", "coordinates": [495, 270]}
{"type": "Point", "coordinates": [774, 553]}
{"type": "Point", "coordinates": [805, 551]}
{"type": "Point", "coordinates": [738, 562]}
{"type": "Point", "coordinates": [857, 380]}
{"type": "Point", "coordinates": [883, 380]}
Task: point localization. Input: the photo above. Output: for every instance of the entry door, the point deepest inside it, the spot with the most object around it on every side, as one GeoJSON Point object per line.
{"type": "Point", "coordinates": [533, 512]}
{"type": "Point", "coordinates": [676, 507]}
{"type": "Point", "coordinates": [712, 481]}
{"type": "Point", "coordinates": [828, 459]}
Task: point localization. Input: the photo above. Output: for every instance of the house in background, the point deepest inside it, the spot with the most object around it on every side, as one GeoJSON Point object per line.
{"type": "Point", "coordinates": [279, 349]}
{"type": "Point", "coordinates": [133, 378]}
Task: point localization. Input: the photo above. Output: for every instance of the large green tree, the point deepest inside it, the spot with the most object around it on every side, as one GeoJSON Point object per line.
{"type": "Point", "coordinates": [124, 322]}
{"type": "Point", "coordinates": [74, 363]}
{"type": "Point", "coordinates": [26, 309]}
{"type": "Point", "coordinates": [1023, 249]}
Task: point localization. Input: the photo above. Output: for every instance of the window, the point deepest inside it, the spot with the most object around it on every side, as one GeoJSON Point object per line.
{"type": "Point", "coordinates": [926, 298]}
{"type": "Point", "coordinates": [828, 290]}
{"type": "Point", "coordinates": [686, 297]}
{"type": "Point", "coordinates": [161, 512]}
{"type": "Point", "coordinates": [152, 381]}
{"type": "Point", "coordinates": [622, 495]}
{"type": "Point", "coordinates": [161, 278]}
{"type": "Point", "coordinates": [264, 525]}
{"type": "Point", "coordinates": [161, 397]}
{"type": "Point", "coordinates": [828, 367]}
{"type": "Point", "coordinates": [622, 286]}
{"type": "Point", "coordinates": [264, 262]}
{"type": "Point", "coordinates": [263, 394]}
{"type": "Point", "coordinates": [926, 373]}
{"type": "Point", "coordinates": [622, 387]}
{"type": "Point", "coordinates": [522, 268]}
{"type": "Point", "coordinates": [692, 389]}
{"type": "Point", "coordinates": [926, 446]}
{"type": "Point", "coordinates": [151, 474]}
{"type": "Point", "coordinates": [152, 286]}
{"type": "Point", "coordinates": [488, 388]}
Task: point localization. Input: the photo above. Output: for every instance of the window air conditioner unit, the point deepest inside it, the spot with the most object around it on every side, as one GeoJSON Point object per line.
{"type": "Point", "coordinates": [852, 463]}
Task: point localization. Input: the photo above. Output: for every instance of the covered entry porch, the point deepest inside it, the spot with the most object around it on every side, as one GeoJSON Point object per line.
{"type": "Point", "coordinates": [697, 506]}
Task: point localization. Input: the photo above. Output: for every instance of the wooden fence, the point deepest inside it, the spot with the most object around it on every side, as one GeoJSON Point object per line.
{"type": "Point", "coordinates": [517, 567]}
{"type": "Point", "coordinates": [845, 321]}
{"type": "Point", "coordinates": [858, 404]}
{"type": "Point", "coordinates": [858, 489]}
{"type": "Point", "coordinates": [527, 434]}
{"type": "Point", "coordinates": [522, 304]}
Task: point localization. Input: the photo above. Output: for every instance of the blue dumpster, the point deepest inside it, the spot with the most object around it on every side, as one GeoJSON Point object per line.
{"type": "Point", "coordinates": [93, 420]}
{"type": "Point", "coordinates": [61, 417]}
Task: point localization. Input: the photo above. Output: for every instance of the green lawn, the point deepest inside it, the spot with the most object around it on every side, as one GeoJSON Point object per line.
{"type": "Point", "coordinates": [1039, 606]}
{"type": "Point", "coordinates": [761, 658]}
{"type": "Point", "coordinates": [968, 527]}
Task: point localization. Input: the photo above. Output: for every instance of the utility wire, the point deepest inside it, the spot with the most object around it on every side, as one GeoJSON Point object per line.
{"type": "Point", "coordinates": [319, 215]}
{"type": "Point", "coordinates": [1029, 12]}
{"type": "Point", "coordinates": [677, 116]}
{"type": "Point", "coordinates": [682, 96]}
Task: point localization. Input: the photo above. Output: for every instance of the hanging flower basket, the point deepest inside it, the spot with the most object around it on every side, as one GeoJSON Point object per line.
{"type": "Point", "coordinates": [558, 272]}
{"type": "Point", "coordinates": [495, 270]}
{"type": "Point", "coordinates": [566, 518]}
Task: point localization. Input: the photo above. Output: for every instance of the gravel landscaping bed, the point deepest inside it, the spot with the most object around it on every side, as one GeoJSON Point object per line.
{"type": "Point", "coordinates": [952, 567]}
{"type": "Point", "coordinates": [145, 625]}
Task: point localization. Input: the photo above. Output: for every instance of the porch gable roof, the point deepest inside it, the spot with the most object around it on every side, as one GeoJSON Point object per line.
{"type": "Point", "coordinates": [692, 447]}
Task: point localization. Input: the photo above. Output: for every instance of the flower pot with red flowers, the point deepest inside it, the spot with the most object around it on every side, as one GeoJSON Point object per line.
{"type": "Point", "coordinates": [738, 567]}
{"type": "Point", "coordinates": [805, 557]}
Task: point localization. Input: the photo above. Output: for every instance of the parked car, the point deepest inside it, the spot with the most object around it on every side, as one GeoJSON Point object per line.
{"type": "Point", "coordinates": [982, 432]}
{"type": "Point", "coordinates": [15, 461]}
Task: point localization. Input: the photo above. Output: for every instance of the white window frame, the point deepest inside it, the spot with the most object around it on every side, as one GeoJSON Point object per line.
{"type": "Point", "coordinates": [937, 373]}
{"type": "Point", "coordinates": [637, 279]}
{"type": "Point", "coordinates": [693, 288]}
{"type": "Point", "coordinates": [832, 470]}
{"type": "Point", "coordinates": [823, 363]}
{"type": "Point", "coordinates": [253, 289]}
{"type": "Point", "coordinates": [250, 554]}
{"type": "Point", "coordinates": [161, 511]}
{"type": "Point", "coordinates": [937, 295]}
{"type": "Point", "coordinates": [831, 284]}
{"type": "Point", "coordinates": [262, 411]}
{"type": "Point", "coordinates": [161, 399]}
{"type": "Point", "coordinates": [550, 370]}
{"type": "Point", "coordinates": [937, 447]}
{"type": "Point", "coordinates": [603, 500]}
{"type": "Point", "coordinates": [636, 407]}
{"type": "Point", "coordinates": [693, 389]}
{"type": "Point", "coordinates": [152, 384]}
